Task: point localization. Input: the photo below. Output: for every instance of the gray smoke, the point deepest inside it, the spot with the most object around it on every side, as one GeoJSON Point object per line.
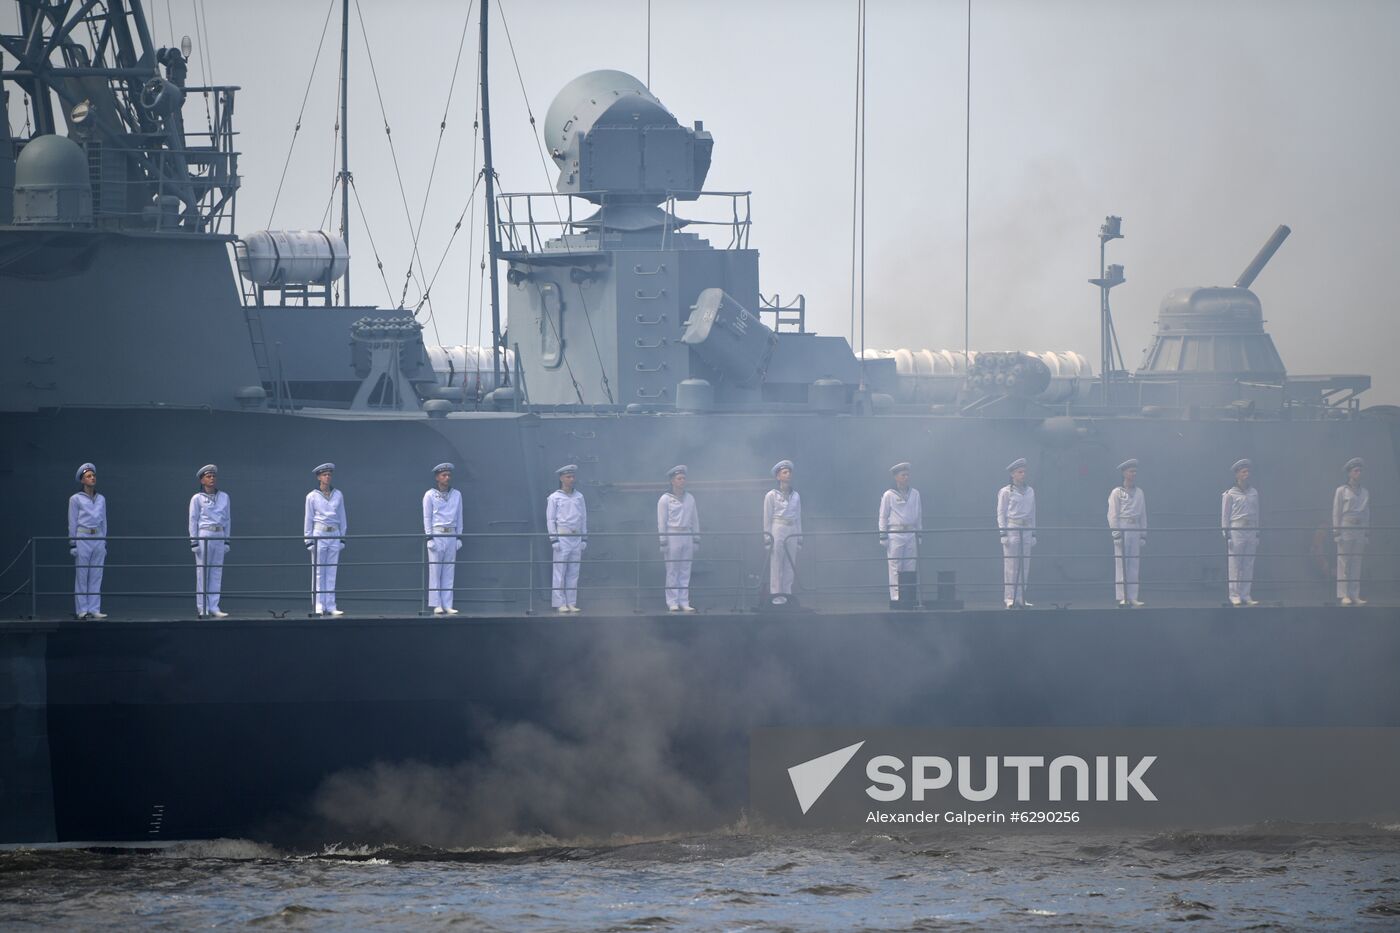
{"type": "Point", "coordinates": [612, 750]}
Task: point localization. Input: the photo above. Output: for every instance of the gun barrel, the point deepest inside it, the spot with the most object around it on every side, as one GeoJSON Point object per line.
{"type": "Point", "coordinates": [1257, 264]}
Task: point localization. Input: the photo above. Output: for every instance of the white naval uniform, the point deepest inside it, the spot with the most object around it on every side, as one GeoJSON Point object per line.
{"type": "Point", "coordinates": [442, 518]}
{"type": "Point", "coordinates": [1127, 516]}
{"type": "Point", "coordinates": [1016, 521]}
{"type": "Point", "coordinates": [324, 526]}
{"type": "Point", "coordinates": [566, 518]}
{"type": "Point", "coordinates": [210, 518]}
{"type": "Point", "coordinates": [782, 519]}
{"type": "Point", "coordinates": [1351, 520]}
{"type": "Point", "coordinates": [678, 522]}
{"type": "Point", "coordinates": [87, 532]}
{"type": "Point", "coordinates": [900, 516]}
{"type": "Point", "coordinates": [1239, 522]}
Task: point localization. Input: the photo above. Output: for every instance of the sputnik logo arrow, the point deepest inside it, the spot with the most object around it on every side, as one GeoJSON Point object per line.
{"type": "Point", "coordinates": [810, 779]}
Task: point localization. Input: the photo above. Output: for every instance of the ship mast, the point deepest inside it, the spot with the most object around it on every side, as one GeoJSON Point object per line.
{"type": "Point", "coordinates": [345, 139]}
{"type": "Point", "coordinates": [490, 177]}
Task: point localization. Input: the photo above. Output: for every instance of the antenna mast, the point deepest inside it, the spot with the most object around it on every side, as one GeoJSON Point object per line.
{"type": "Point", "coordinates": [490, 173]}
{"type": "Point", "coordinates": [345, 139]}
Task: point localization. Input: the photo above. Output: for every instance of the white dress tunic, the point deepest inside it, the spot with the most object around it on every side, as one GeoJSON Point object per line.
{"type": "Point", "coordinates": [678, 524]}
{"type": "Point", "coordinates": [210, 517]}
{"type": "Point", "coordinates": [901, 514]}
{"type": "Point", "coordinates": [87, 535]}
{"type": "Point", "coordinates": [1239, 523]}
{"type": "Point", "coordinates": [782, 519]}
{"type": "Point", "coordinates": [566, 517]}
{"type": "Point", "coordinates": [1016, 521]}
{"type": "Point", "coordinates": [442, 521]}
{"type": "Point", "coordinates": [1127, 517]}
{"type": "Point", "coordinates": [324, 527]}
{"type": "Point", "coordinates": [1351, 521]}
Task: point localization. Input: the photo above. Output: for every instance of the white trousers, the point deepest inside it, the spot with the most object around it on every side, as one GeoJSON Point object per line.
{"type": "Point", "coordinates": [1126, 562]}
{"type": "Point", "coordinates": [1016, 547]}
{"type": "Point", "coordinates": [442, 570]}
{"type": "Point", "coordinates": [326, 556]}
{"type": "Point", "coordinates": [782, 562]}
{"type": "Point", "coordinates": [1242, 546]}
{"type": "Point", "coordinates": [208, 573]}
{"type": "Point", "coordinates": [1351, 549]}
{"type": "Point", "coordinates": [87, 582]}
{"type": "Point", "coordinates": [568, 553]}
{"type": "Point", "coordinates": [903, 553]}
{"type": "Point", "coordinates": [678, 551]}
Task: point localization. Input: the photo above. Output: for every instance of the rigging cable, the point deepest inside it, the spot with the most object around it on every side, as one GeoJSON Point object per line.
{"type": "Point", "coordinates": [432, 172]}
{"type": "Point", "coordinates": [374, 249]}
{"type": "Point", "coordinates": [855, 165]}
{"type": "Point", "coordinates": [863, 194]}
{"type": "Point", "coordinates": [304, 97]}
{"type": "Point", "coordinates": [456, 227]}
{"type": "Point", "coordinates": [202, 35]}
{"type": "Point", "coordinates": [393, 154]}
{"type": "Point", "coordinates": [471, 228]}
{"type": "Point", "coordinates": [967, 206]}
{"type": "Point", "coordinates": [544, 166]}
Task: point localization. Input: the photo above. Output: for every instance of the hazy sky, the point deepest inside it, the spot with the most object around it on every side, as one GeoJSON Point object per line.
{"type": "Point", "coordinates": [1204, 124]}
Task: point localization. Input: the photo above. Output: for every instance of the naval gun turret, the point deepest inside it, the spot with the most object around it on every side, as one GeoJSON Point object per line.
{"type": "Point", "coordinates": [621, 305]}
{"type": "Point", "coordinates": [1211, 348]}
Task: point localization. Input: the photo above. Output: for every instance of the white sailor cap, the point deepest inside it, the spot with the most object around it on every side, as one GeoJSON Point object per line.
{"type": "Point", "coordinates": [324, 468]}
{"type": "Point", "coordinates": [1129, 464]}
{"type": "Point", "coordinates": [1016, 464]}
{"type": "Point", "coordinates": [444, 468]}
{"type": "Point", "coordinates": [677, 470]}
{"type": "Point", "coordinates": [901, 468]}
{"type": "Point", "coordinates": [207, 468]}
{"type": "Point", "coordinates": [83, 469]}
{"type": "Point", "coordinates": [780, 465]}
{"type": "Point", "coordinates": [1242, 464]}
{"type": "Point", "coordinates": [1353, 463]}
{"type": "Point", "coordinates": [566, 468]}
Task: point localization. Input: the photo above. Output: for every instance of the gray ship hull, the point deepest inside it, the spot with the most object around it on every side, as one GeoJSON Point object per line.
{"type": "Point", "coordinates": [306, 730]}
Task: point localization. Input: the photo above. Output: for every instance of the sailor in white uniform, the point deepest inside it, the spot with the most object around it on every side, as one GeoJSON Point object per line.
{"type": "Point", "coordinates": [1239, 524]}
{"type": "Point", "coordinates": [782, 521]}
{"type": "Point", "coordinates": [1351, 521]}
{"type": "Point", "coordinates": [678, 524]}
{"type": "Point", "coordinates": [442, 523]}
{"type": "Point", "coordinates": [210, 518]}
{"type": "Point", "coordinates": [87, 542]}
{"type": "Point", "coordinates": [1127, 519]}
{"type": "Point", "coordinates": [901, 516]}
{"type": "Point", "coordinates": [324, 529]}
{"type": "Point", "coordinates": [1016, 522]}
{"type": "Point", "coordinates": [566, 518]}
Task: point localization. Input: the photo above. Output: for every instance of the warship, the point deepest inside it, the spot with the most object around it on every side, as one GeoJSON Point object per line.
{"type": "Point", "coordinates": [144, 333]}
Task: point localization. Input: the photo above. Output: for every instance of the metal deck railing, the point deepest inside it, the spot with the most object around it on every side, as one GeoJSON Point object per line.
{"type": "Point", "coordinates": [504, 574]}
